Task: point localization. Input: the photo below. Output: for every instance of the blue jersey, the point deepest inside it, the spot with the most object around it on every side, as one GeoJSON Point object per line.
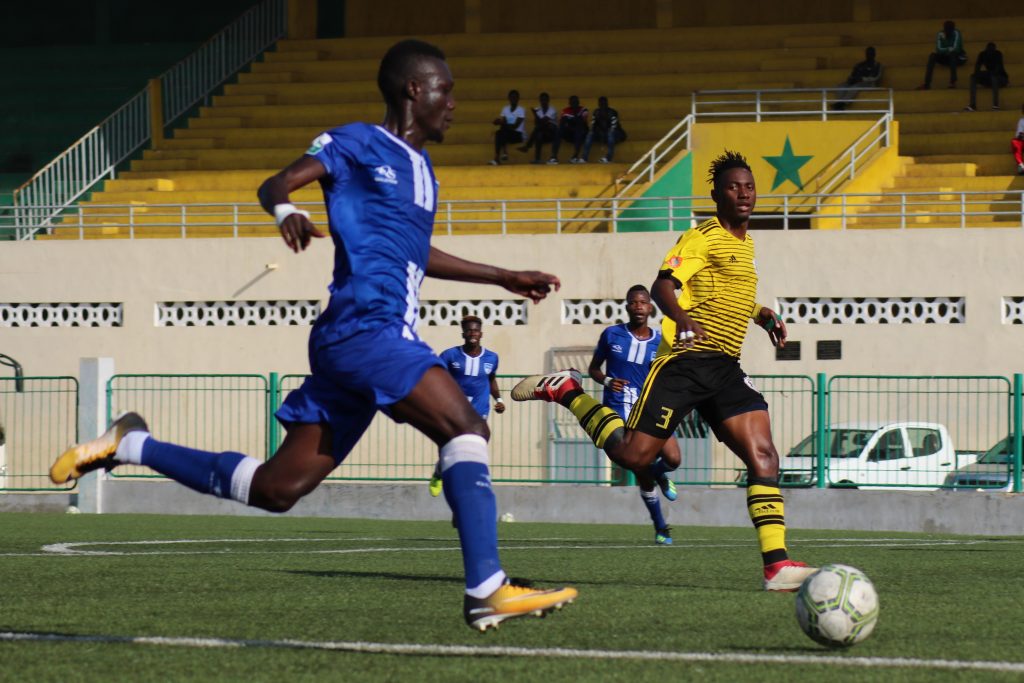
{"type": "Point", "coordinates": [628, 358]}
{"type": "Point", "coordinates": [381, 196]}
{"type": "Point", "coordinates": [473, 375]}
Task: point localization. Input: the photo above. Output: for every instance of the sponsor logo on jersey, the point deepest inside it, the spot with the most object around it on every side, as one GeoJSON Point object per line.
{"type": "Point", "coordinates": [386, 174]}
{"type": "Point", "coordinates": [318, 144]}
{"type": "Point", "coordinates": [616, 348]}
{"type": "Point", "coordinates": [456, 365]}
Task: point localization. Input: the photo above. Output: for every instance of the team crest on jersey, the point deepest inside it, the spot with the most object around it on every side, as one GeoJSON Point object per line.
{"type": "Point", "coordinates": [385, 174]}
{"type": "Point", "coordinates": [674, 262]}
{"type": "Point", "coordinates": [318, 144]}
{"type": "Point", "coordinates": [488, 368]}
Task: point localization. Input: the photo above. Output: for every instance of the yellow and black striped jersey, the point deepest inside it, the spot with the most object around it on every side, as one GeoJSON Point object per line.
{"type": "Point", "coordinates": [719, 280]}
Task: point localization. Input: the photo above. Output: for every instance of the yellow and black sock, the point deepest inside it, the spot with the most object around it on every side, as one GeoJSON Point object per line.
{"type": "Point", "coordinates": [598, 421]}
{"type": "Point", "coordinates": [767, 512]}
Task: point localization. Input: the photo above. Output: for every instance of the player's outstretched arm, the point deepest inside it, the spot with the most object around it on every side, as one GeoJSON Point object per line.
{"type": "Point", "coordinates": [531, 284]}
{"type": "Point", "coordinates": [296, 228]}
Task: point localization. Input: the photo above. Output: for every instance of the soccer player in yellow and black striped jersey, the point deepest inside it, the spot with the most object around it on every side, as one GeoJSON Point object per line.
{"type": "Point", "coordinates": [698, 364]}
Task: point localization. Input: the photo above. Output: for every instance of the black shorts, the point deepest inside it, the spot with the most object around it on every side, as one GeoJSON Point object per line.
{"type": "Point", "coordinates": [712, 383]}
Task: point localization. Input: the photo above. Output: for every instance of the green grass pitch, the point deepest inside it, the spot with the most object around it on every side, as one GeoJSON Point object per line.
{"type": "Point", "coordinates": [179, 598]}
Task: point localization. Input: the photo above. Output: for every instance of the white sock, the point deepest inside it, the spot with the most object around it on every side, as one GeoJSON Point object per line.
{"type": "Point", "coordinates": [129, 450]}
{"type": "Point", "coordinates": [241, 478]}
{"type": "Point", "coordinates": [496, 581]}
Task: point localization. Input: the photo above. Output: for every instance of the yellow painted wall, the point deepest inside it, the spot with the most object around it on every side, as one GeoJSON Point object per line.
{"type": "Point", "coordinates": [822, 141]}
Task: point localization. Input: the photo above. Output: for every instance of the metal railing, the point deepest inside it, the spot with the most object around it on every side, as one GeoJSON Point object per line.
{"type": "Point", "coordinates": [885, 432]}
{"type": "Point", "coordinates": [38, 420]}
{"type": "Point", "coordinates": [897, 210]}
{"type": "Point", "coordinates": [763, 104]}
{"type": "Point", "coordinates": [646, 167]}
{"type": "Point", "coordinates": [97, 154]}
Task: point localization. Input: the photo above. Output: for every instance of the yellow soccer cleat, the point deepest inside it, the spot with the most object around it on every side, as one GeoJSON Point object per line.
{"type": "Point", "coordinates": [92, 455]}
{"type": "Point", "coordinates": [512, 600]}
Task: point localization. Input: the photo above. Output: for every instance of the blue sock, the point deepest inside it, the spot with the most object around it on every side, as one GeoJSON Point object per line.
{"type": "Point", "coordinates": [650, 499]}
{"type": "Point", "coordinates": [659, 467]}
{"type": "Point", "coordinates": [467, 488]}
{"type": "Point", "coordinates": [201, 471]}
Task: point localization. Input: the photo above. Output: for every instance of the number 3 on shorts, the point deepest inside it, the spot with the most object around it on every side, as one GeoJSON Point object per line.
{"type": "Point", "coordinates": [666, 415]}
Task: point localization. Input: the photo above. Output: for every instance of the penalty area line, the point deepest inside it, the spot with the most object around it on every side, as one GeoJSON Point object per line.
{"type": "Point", "coordinates": [361, 647]}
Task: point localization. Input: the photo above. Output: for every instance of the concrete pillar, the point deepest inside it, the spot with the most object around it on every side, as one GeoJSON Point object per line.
{"type": "Point", "coordinates": [862, 10]}
{"type": "Point", "coordinates": [473, 21]}
{"type": "Point", "coordinates": [93, 375]}
{"type": "Point", "coordinates": [302, 19]}
{"type": "Point", "coordinates": [663, 14]}
{"type": "Point", "coordinates": [156, 111]}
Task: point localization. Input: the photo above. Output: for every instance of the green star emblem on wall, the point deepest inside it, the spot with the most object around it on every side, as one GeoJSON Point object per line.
{"type": "Point", "coordinates": [787, 166]}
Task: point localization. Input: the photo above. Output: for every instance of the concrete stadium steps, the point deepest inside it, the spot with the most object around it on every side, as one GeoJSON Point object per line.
{"type": "Point", "coordinates": [974, 142]}
{"type": "Point", "coordinates": [314, 195]}
{"type": "Point", "coordinates": [951, 101]}
{"type": "Point", "coordinates": [320, 115]}
{"type": "Point", "coordinates": [298, 138]}
{"type": "Point", "coordinates": [481, 176]}
{"type": "Point", "coordinates": [233, 159]}
{"type": "Point", "coordinates": [985, 164]}
{"type": "Point", "coordinates": [983, 120]}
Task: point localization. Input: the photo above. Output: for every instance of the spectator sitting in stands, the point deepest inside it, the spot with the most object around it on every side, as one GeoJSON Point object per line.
{"type": "Point", "coordinates": [949, 50]}
{"type": "Point", "coordinates": [1017, 144]}
{"type": "Point", "coordinates": [993, 76]}
{"type": "Point", "coordinates": [510, 127]}
{"type": "Point", "coordinates": [572, 127]}
{"type": "Point", "coordinates": [605, 126]}
{"type": "Point", "coordinates": [545, 127]}
{"type": "Point", "coordinates": [865, 74]}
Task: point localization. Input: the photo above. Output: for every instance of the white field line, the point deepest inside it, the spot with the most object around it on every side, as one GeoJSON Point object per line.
{"type": "Point", "coordinates": [559, 653]}
{"type": "Point", "coordinates": [83, 548]}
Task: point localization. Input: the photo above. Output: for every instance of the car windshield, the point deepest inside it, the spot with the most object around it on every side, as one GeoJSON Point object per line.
{"type": "Point", "coordinates": [844, 443]}
{"type": "Point", "coordinates": [999, 454]}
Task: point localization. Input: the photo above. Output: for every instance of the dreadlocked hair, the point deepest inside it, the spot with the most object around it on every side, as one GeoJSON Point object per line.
{"type": "Point", "coordinates": [725, 161]}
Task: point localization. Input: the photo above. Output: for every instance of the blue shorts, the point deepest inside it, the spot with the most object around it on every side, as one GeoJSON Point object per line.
{"type": "Point", "coordinates": [352, 379]}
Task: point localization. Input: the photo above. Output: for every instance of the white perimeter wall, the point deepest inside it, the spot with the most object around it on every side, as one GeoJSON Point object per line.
{"type": "Point", "coordinates": [981, 265]}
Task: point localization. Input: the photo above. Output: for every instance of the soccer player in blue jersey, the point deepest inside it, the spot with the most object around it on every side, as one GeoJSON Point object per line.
{"type": "Point", "coordinates": [626, 351]}
{"type": "Point", "coordinates": [475, 370]}
{"type": "Point", "coordinates": [364, 353]}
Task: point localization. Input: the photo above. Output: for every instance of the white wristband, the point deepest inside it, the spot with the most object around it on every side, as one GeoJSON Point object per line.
{"type": "Point", "coordinates": [282, 211]}
{"type": "Point", "coordinates": [607, 380]}
{"type": "Point", "coordinates": [498, 400]}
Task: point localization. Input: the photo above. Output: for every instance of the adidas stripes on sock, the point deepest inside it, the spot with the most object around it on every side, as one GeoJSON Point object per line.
{"type": "Point", "coordinates": [598, 421]}
{"type": "Point", "coordinates": [767, 512]}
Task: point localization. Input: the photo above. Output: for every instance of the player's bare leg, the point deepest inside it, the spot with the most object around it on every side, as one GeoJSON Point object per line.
{"type": "Point", "coordinates": [749, 436]}
{"type": "Point", "coordinates": [438, 408]}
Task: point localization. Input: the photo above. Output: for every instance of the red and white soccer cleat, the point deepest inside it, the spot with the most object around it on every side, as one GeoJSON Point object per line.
{"type": "Point", "coordinates": [549, 388]}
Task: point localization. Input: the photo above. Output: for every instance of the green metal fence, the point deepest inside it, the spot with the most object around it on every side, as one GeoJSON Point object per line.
{"type": "Point", "coordinates": [38, 420]}
{"type": "Point", "coordinates": [843, 431]}
{"type": "Point", "coordinates": [210, 412]}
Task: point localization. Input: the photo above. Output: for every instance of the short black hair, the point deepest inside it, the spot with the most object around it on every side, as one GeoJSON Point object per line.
{"type": "Point", "coordinates": [398, 66]}
{"type": "Point", "coordinates": [469, 319]}
{"type": "Point", "coordinates": [513, 92]}
{"type": "Point", "coordinates": [725, 161]}
{"type": "Point", "coordinates": [637, 288]}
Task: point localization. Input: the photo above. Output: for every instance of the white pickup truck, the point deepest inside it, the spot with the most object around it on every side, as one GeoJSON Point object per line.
{"type": "Point", "coordinates": [893, 455]}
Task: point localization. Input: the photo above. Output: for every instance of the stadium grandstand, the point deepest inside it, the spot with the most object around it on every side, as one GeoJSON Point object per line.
{"type": "Point", "coordinates": [665, 62]}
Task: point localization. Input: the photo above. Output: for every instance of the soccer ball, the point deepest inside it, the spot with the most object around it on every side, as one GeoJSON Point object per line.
{"type": "Point", "coordinates": [837, 606]}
